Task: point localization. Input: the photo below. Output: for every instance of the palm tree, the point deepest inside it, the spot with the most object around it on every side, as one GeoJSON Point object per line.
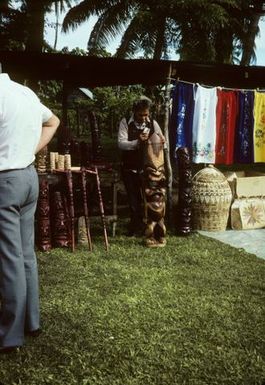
{"type": "Point", "coordinates": [255, 11]}
{"type": "Point", "coordinates": [12, 34]}
{"type": "Point", "coordinates": [199, 30]}
{"type": "Point", "coordinates": [219, 32]}
{"type": "Point", "coordinates": [59, 7]}
{"type": "Point", "coordinates": [146, 25]}
{"type": "Point", "coordinates": [35, 12]}
{"type": "Point", "coordinates": [24, 26]}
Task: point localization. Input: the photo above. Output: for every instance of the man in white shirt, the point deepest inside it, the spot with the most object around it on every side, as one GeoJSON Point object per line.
{"type": "Point", "coordinates": [26, 126]}
{"type": "Point", "coordinates": [132, 132]}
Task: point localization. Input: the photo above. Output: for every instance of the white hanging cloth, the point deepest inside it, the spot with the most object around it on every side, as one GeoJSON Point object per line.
{"type": "Point", "coordinates": [204, 125]}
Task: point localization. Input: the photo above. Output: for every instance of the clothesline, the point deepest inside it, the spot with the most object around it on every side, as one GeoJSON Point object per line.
{"type": "Point", "coordinates": [218, 126]}
{"type": "Point", "coordinates": [220, 87]}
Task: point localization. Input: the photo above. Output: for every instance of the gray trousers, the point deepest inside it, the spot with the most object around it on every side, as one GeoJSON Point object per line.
{"type": "Point", "coordinates": [19, 292]}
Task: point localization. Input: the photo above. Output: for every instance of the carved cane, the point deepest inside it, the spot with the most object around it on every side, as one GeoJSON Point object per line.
{"type": "Point", "coordinates": [101, 207]}
{"type": "Point", "coordinates": [83, 175]}
{"type": "Point", "coordinates": [185, 184]}
{"type": "Point", "coordinates": [72, 211]}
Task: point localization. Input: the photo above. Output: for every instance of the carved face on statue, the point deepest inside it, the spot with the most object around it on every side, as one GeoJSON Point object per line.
{"type": "Point", "coordinates": [60, 222]}
{"type": "Point", "coordinates": [155, 205]}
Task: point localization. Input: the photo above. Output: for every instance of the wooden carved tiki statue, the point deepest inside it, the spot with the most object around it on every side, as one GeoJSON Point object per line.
{"type": "Point", "coordinates": [154, 191]}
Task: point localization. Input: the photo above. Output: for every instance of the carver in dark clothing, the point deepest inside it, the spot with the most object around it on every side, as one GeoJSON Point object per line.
{"type": "Point", "coordinates": [132, 132]}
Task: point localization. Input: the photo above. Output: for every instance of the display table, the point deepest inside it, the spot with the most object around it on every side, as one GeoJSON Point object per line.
{"type": "Point", "coordinates": [65, 196]}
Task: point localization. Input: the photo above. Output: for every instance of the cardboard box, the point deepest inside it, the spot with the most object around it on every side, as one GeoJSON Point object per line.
{"type": "Point", "coordinates": [248, 207]}
{"type": "Point", "coordinates": [250, 186]}
{"type": "Point", "coordinates": [246, 184]}
{"type": "Point", "coordinates": [248, 213]}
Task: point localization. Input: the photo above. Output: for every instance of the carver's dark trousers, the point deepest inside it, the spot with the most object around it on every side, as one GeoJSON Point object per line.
{"type": "Point", "coordinates": [133, 185]}
{"type": "Point", "coordinates": [19, 295]}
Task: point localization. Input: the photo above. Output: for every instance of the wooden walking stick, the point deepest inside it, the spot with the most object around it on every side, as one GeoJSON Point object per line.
{"type": "Point", "coordinates": [72, 211]}
{"type": "Point", "coordinates": [101, 207]}
{"type": "Point", "coordinates": [185, 185]}
{"type": "Point", "coordinates": [83, 175]}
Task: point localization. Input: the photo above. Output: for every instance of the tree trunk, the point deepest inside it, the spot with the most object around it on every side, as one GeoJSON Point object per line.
{"type": "Point", "coordinates": [57, 26]}
{"type": "Point", "coordinates": [160, 39]}
{"type": "Point", "coordinates": [35, 20]}
{"type": "Point", "coordinates": [249, 43]}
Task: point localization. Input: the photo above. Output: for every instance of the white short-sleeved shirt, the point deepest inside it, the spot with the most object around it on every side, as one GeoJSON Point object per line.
{"type": "Point", "coordinates": [21, 118]}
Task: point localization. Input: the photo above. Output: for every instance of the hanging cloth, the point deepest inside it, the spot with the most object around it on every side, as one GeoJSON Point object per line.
{"type": "Point", "coordinates": [226, 113]}
{"type": "Point", "coordinates": [204, 125]}
{"type": "Point", "coordinates": [182, 115]}
{"type": "Point", "coordinates": [259, 127]}
{"type": "Point", "coordinates": [243, 148]}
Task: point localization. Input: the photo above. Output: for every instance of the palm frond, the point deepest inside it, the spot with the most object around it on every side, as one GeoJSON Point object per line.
{"type": "Point", "coordinates": [81, 12]}
{"type": "Point", "coordinates": [109, 25]}
{"type": "Point", "coordinates": [132, 39]}
{"type": "Point", "coordinates": [96, 39]}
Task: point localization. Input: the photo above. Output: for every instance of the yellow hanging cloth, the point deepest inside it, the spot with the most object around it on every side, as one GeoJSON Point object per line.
{"type": "Point", "coordinates": [259, 127]}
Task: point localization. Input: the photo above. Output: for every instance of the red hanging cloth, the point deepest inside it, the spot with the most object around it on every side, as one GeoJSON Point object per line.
{"type": "Point", "coordinates": [226, 114]}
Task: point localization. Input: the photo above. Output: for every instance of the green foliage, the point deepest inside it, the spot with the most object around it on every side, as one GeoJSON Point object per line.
{"type": "Point", "coordinates": [151, 28]}
{"type": "Point", "coordinates": [192, 314]}
{"type": "Point", "coordinates": [224, 31]}
{"type": "Point", "coordinates": [76, 51]}
{"type": "Point", "coordinates": [12, 31]}
{"type": "Point", "coordinates": [50, 94]}
{"type": "Point", "coordinates": [109, 104]}
{"type": "Point", "coordinates": [113, 103]}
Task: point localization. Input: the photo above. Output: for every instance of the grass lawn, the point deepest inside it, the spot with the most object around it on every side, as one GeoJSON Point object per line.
{"type": "Point", "coordinates": [190, 314]}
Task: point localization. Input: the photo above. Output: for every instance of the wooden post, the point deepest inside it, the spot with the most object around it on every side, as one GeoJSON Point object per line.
{"type": "Point", "coordinates": [63, 132]}
{"type": "Point", "coordinates": [64, 105]}
{"type": "Point", "coordinates": [166, 150]}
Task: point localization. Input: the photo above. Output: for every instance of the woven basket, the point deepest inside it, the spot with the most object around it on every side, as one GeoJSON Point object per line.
{"type": "Point", "coordinates": [211, 200]}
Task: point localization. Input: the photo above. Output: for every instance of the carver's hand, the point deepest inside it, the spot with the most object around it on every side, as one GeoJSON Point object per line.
{"type": "Point", "coordinates": [143, 136]}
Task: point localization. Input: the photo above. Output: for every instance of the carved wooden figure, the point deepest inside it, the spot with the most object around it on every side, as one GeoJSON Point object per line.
{"type": "Point", "coordinates": [61, 237]}
{"type": "Point", "coordinates": [43, 218]}
{"type": "Point", "coordinates": [154, 182]}
{"type": "Point", "coordinates": [41, 160]}
{"type": "Point", "coordinates": [185, 184]}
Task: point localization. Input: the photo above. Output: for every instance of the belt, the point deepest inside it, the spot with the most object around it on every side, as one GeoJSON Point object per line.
{"type": "Point", "coordinates": [17, 169]}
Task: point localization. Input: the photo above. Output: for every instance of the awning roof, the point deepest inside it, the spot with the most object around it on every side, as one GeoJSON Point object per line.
{"type": "Point", "coordinates": [85, 71]}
